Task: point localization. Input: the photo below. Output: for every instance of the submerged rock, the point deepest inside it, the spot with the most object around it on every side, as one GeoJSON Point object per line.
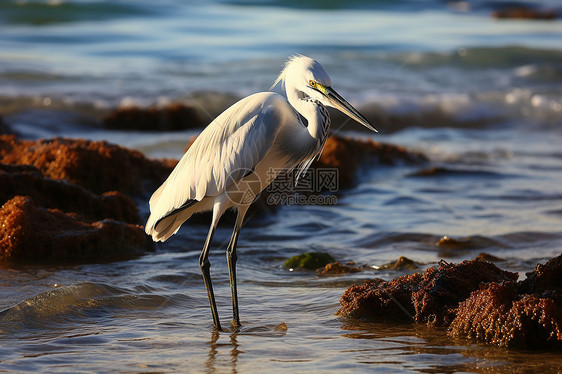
{"type": "Point", "coordinates": [450, 243]}
{"type": "Point", "coordinates": [401, 264]}
{"type": "Point", "coordinates": [335, 268]}
{"type": "Point", "coordinates": [452, 247]}
{"type": "Point", "coordinates": [475, 299]}
{"type": "Point", "coordinates": [483, 256]}
{"type": "Point", "coordinates": [282, 327]}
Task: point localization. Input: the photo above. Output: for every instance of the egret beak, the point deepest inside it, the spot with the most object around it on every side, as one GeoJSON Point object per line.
{"type": "Point", "coordinates": [338, 102]}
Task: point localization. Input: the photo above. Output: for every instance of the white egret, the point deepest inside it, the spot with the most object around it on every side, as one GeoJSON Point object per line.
{"type": "Point", "coordinates": [241, 152]}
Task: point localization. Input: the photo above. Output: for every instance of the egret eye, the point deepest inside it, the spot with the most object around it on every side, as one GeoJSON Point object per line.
{"type": "Point", "coordinates": [312, 83]}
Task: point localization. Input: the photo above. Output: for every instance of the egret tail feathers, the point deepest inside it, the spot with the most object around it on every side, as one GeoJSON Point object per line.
{"type": "Point", "coordinates": [164, 228]}
{"type": "Point", "coordinates": [161, 227]}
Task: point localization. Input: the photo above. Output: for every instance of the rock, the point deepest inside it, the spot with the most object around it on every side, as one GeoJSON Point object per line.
{"type": "Point", "coordinates": [311, 261]}
{"type": "Point", "coordinates": [488, 257]}
{"type": "Point", "coordinates": [403, 263]}
{"type": "Point", "coordinates": [452, 247]}
{"type": "Point", "coordinates": [444, 287]}
{"type": "Point", "coordinates": [282, 327]}
{"type": "Point", "coordinates": [341, 154]}
{"type": "Point", "coordinates": [173, 117]}
{"type": "Point", "coordinates": [93, 182]}
{"type": "Point", "coordinates": [34, 234]}
{"type": "Point", "coordinates": [430, 297]}
{"type": "Point", "coordinates": [335, 268]}
{"type": "Point", "coordinates": [95, 165]}
{"type": "Point", "coordinates": [525, 12]}
{"type": "Point", "coordinates": [450, 243]}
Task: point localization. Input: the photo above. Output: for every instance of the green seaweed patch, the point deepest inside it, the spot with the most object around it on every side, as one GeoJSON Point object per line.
{"type": "Point", "coordinates": [310, 260]}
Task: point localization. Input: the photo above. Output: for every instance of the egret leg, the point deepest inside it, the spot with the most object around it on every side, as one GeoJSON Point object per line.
{"type": "Point", "coordinates": [231, 258]}
{"type": "Point", "coordinates": [205, 267]}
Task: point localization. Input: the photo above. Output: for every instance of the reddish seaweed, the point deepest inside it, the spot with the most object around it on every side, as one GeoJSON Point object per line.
{"type": "Point", "coordinates": [65, 200]}
{"type": "Point", "coordinates": [172, 117]}
{"type": "Point", "coordinates": [429, 297]}
{"type": "Point", "coordinates": [32, 233]}
{"type": "Point", "coordinates": [525, 12]}
{"type": "Point", "coordinates": [475, 299]}
{"type": "Point", "coordinates": [26, 180]}
{"type": "Point", "coordinates": [498, 314]}
{"type": "Point", "coordinates": [96, 165]}
{"type": "Point", "coordinates": [526, 314]}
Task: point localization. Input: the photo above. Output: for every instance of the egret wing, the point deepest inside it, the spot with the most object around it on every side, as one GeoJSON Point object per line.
{"type": "Point", "coordinates": [231, 146]}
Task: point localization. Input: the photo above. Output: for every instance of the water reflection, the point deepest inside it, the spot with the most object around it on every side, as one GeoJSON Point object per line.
{"type": "Point", "coordinates": [214, 348]}
{"type": "Point", "coordinates": [429, 349]}
{"type": "Point", "coordinates": [218, 357]}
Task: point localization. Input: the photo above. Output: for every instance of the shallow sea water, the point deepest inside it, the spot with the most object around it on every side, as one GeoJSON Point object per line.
{"type": "Point", "coordinates": [151, 314]}
{"type": "Point", "coordinates": [480, 97]}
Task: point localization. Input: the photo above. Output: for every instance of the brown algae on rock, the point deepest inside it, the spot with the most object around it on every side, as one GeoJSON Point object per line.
{"type": "Point", "coordinates": [474, 299]}
{"type": "Point", "coordinates": [70, 200]}
{"type": "Point", "coordinates": [524, 314]}
{"type": "Point", "coordinates": [429, 297]}
{"type": "Point", "coordinates": [35, 234]}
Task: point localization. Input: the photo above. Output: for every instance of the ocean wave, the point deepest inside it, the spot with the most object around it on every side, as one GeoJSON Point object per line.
{"type": "Point", "coordinates": [465, 110]}
{"type": "Point", "coordinates": [75, 302]}
{"type": "Point", "coordinates": [34, 117]}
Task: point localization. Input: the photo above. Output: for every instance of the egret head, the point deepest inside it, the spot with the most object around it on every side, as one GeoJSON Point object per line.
{"type": "Point", "coordinates": [305, 77]}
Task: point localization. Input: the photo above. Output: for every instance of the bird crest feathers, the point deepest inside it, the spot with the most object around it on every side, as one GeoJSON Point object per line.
{"type": "Point", "coordinates": [279, 84]}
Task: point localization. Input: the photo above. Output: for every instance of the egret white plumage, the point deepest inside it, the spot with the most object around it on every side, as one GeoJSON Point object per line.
{"type": "Point", "coordinates": [241, 152]}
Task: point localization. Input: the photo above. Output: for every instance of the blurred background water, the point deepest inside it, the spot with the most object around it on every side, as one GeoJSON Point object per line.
{"type": "Point", "coordinates": [482, 97]}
